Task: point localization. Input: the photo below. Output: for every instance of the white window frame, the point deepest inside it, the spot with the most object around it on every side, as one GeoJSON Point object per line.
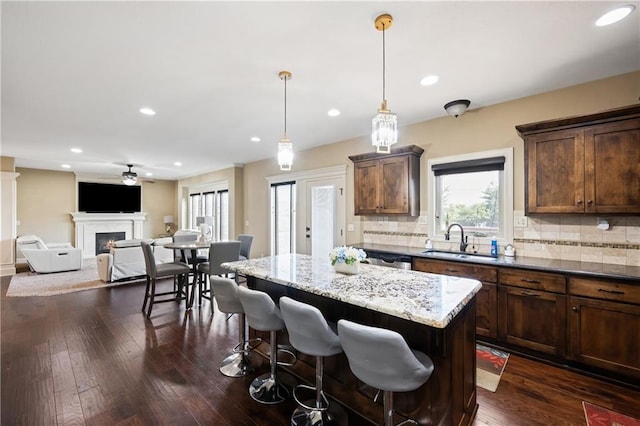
{"type": "Point", "coordinates": [213, 187]}
{"type": "Point", "coordinates": [506, 192]}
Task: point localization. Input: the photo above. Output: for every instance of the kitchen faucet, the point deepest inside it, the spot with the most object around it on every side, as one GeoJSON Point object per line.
{"type": "Point", "coordinates": [463, 240]}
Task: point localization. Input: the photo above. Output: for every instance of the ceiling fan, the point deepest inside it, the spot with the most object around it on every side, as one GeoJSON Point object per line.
{"type": "Point", "coordinates": [129, 178]}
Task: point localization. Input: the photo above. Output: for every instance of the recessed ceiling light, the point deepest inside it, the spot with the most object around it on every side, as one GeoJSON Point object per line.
{"type": "Point", "coordinates": [147, 111]}
{"type": "Point", "coordinates": [255, 139]}
{"type": "Point", "coordinates": [76, 150]}
{"type": "Point", "coordinates": [429, 80]}
{"type": "Point", "coordinates": [65, 166]}
{"type": "Point", "coordinates": [333, 112]}
{"type": "Point", "coordinates": [177, 163]}
{"type": "Point", "coordinates": [148, 174]}
{"type": "Point", "coordinates": [615, 15]}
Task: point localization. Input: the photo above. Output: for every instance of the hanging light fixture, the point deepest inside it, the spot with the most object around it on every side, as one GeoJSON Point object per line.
{"type": "Point", "coordinates": [285, 147]}
{"type": "Point", "coordinates": [384, 131]}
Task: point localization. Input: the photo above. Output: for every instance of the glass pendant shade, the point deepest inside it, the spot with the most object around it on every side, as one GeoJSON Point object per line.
{"type": "Point", "coordinates": [285, 154]}
{"type": "Point", "coordinates": [384, 131]}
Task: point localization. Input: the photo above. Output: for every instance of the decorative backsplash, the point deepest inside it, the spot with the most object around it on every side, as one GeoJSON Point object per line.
{"type": "Point", "coordinates": [549, 237]}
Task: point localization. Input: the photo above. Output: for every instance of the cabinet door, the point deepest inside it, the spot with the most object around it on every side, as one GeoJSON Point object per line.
{"type": "Point", "coordinates": [532, 319]}
{"type": "Point", "coordinates": [612, 167]}
{"type": "Point", "coordinates": [605, 334]}
{"type": "Point", "coordinates": [366, 187]}
{"type": "Point", "coordinates": [394, 185]}
{"type": "Point", "coordinates": [555, 172]}
{"type": "Point", "coordinates": [486, 311]}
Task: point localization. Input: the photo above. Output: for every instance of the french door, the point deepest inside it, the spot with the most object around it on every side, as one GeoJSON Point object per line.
{"type": "Point", "coordinates": [324, 216]}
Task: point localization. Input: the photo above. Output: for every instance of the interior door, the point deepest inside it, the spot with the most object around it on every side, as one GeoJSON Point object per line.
{"type": "Point", "coordinates": [325, 216]}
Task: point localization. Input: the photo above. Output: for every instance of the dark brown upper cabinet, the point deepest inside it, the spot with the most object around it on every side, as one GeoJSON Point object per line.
{"type": "Point", "coordinates": [586, 164]}
{"type": "Point", "coordinates": [388, 184]}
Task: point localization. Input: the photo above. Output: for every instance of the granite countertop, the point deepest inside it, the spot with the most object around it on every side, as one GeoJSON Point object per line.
{"type": "Point", "coordinates": [595, 270]}
{"type": "Point", "coordinates": [429, 299]}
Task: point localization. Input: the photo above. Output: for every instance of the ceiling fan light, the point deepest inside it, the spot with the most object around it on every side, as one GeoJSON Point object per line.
{"type": "Point", "coordinates": [457, 107]}
{"type": "Point", "coordinates": [129, 180]}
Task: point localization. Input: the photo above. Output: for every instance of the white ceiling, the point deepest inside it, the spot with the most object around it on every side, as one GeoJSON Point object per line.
{"type": "Point", "coordinates": [74, 74]}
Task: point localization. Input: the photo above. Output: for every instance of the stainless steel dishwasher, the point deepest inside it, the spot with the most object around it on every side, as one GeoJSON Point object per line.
{"type": "Point", "coordinates": [391, 260]}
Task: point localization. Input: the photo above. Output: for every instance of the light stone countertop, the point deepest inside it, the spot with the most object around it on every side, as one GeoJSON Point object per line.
{"type": "Point", "coordinates": [429, 299]}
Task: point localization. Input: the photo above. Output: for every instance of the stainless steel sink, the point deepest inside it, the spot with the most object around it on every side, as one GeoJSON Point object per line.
{"type": "Point", "coordinates": [459, 255]}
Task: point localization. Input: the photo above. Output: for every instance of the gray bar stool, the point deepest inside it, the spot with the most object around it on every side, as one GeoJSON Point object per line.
{"type": "Point", "coordinates": [310, 333]}
{"type": "Point", "coordinates": [382, 359]}
{"type": "Point", "coordinates": [263, 314]}
{"type": "Point", "coordinates": [226, 295]}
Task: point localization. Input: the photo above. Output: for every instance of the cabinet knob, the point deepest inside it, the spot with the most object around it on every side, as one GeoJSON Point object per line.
{"type": "Point", "coordinates": [589, 202]}
{"type": "Point", "coordinates": [574, 309]}
{"type": "Point", "coordinates": [579, 202]}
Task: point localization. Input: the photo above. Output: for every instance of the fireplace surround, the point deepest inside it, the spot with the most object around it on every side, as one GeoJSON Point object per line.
{"type": "Point", "coordinates": [89, 224]}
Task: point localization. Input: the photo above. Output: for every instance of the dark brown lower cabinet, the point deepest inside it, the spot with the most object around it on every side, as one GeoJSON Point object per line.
{"type": "Point", "coordinates": [486, 311]}
{"type": "Point", "coordinates": [487, 298]}
{"type": "Point", "coordinates": [532, 319]}
{"type": "Point", "coordinates": [605, 334]}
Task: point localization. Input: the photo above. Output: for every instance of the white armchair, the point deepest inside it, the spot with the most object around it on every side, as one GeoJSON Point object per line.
{"type": "Point", "coordinates": [52, 257]}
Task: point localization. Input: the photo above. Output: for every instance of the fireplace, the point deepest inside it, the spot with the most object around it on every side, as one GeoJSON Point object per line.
{"type": "Point", "coordinates": [88, 225]}
{"type": "Point", "coordinates": [105, 239]}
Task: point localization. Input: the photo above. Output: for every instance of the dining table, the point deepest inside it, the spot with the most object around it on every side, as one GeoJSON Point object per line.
{"type": "Point", "coordinates": [191, 248]}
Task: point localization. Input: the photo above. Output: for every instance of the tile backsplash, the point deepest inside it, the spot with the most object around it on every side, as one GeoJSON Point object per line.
{"type": "Point", "coordinates": [550, 237]}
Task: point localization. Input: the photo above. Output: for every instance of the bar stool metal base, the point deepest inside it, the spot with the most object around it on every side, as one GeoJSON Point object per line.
{"type": "Point", "coordinates": [236, 365]}
{"type": "Point", "coordinates": [333, 416]}
{"type": "Point", "coordinates": [266, 390]}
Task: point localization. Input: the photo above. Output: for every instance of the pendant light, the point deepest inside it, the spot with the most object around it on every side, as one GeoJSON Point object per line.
{"type": "Point", "coordinates": [384, 132]}
{"type": "Point", "coordinates": [285, 147]}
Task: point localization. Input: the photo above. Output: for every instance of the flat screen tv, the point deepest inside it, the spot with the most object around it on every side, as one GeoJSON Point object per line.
{"type": "Point", "coordinates": [108, 198]}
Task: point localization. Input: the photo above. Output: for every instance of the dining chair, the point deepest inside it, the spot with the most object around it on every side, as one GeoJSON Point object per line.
{"type": "Point", "coordinates": [219, 253]}
{"type": "Point", "coordinates": [170, 269]}
{"type": "Point", "coordinates": [246, 241]}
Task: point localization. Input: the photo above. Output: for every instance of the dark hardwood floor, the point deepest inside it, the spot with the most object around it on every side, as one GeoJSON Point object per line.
{"type": "Point", "coordinates": [92, 358]}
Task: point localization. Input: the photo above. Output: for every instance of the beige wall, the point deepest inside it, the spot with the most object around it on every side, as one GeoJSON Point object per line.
{"type": "Point", "coordinates": [480, 129]}
{"type": "Point", "coordinates": [45, 199]}
{"type": "Point", "coordinates": [158, 200]}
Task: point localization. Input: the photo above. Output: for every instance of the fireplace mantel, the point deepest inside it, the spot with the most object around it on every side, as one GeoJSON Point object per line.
{"type": "Point", "coordinates": [87, 224]}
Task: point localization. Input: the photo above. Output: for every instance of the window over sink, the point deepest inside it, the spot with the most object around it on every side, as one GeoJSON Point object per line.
{"type": "Point", "coordinates": [474, 190]}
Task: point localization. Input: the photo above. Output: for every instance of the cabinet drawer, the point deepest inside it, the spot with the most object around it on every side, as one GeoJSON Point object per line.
{"type": "Point", "coordinates": [464, 270]}
{"type": "Point", "coordinates": [609, 290]}
{"type": "Point", "coordinates": [534, 280]}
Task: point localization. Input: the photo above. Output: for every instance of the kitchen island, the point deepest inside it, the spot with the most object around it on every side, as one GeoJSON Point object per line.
{"type": "Point", "coordinates": [434, 313]}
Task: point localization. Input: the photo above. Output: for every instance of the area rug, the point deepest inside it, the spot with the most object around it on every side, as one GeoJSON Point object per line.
{"type": "Point", "coordinates": [27, 284]}
{"type": "Point", "coordinates": [599, 416]}
{"type": "Point", "coordinates": [490, 364]}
